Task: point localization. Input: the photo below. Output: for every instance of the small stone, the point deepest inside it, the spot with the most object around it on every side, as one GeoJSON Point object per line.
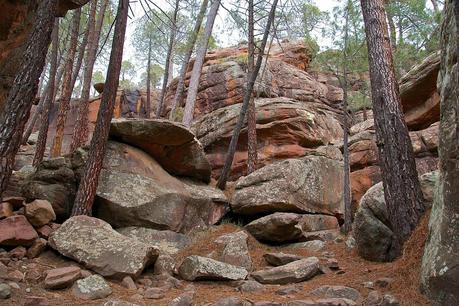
{"type": "Point", "coordinates": [128, 283]}
{"type": "Point", "coordinates": [28, 290]}
{"type": "Point", "coordinates": [325, 269]}
{"type": "Point", "coordinates": [203, 268]}
{"type": "Point", "coordinates": [44, 231]}
{"type": "Point", "coordinates": [137, 296]}
{"type": "Point", "coordinates": [339, 272]}
{"type": "Point", "coordinates": [39, 213]}
{"type": "Point", "coordinates": [6, 210]}
{"type": "Point", "coordinates": [36, 301]}
{"type": "Point", "coordinates": [62, 277]}
{"type": "Point", "coordinates": [5, 291]}
{"type": "Point", "coordinates": [384, 282]}
{"type": "Point", "coordinates": [146, 282]}
{"type": "Point", "coordinates": [350, 243]}
{"type": "Point", "coordinates": [164, 264]}
{"type": "Point", "coordinates": [15, 276]}
{"type": "Point", "coordinates": [92, 288]}
{"type": "Point", "coordinates": [389, 300]}
{"type": "Point", "coordinates": [154, 293]}
{"type": "Point", "coordinates": [250, 286]}
{"type": "Point", "coordinates": [287, 290]}
{"type": "Point", "coordinates": [373, 299]}
{"type": "Point", "coordinates": [14, 285]}
{"type": "Point", "coordinates": [337, 292]}
{"type": "Point", "coordinates": [185, 299]}
{"type": "Point", "coordinates": [368, 285]}
{"type": "Point", "coordinates": [18, 252]}
{"type": "Point", "coordinates": [339, 239]}
{"type": "Point", "coordinates": [313, 246]}
{"type": "Point", "coordinates": [232, 301]}
{"type": "Point", "coordinates": [38, 246]}
{"type": "Point", "coordinates": [332, 263]}
{"type": "Point", "coordinates": [280, 259]}
{"type": "Point", "coordinates": [33, 275]}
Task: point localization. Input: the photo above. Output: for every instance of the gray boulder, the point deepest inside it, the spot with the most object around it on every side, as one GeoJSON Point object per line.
{"type": "Point", "coordinates": [236, 250]}
{"type": "Point", "coordinates": [280, 259]}
{"type": "Point", "coordinates": [203, 268]}
{"type": "Point", "coordinates": [294, 272]}
{"type": "Point", "coordinates": [92, 288]}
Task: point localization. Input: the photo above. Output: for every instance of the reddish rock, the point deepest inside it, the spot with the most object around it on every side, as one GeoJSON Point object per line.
{"type": "Point", "coordinates": [39, 213]}
{"type": "Point", "coordinates": [128, 283]}
{"type": "Point", "coordinates": [36, 301]}
{"type": "Point", "coordinates": [38, 246]}
{"type": "Point", "coordinates": [18, 252]}
{"type": "Point", "coordinates": [6, 210]}
{"type": "Point", "coordinates": [62, 277]}
{"type": "Point", "coordinates": [16, 230]}
{"type": "Point", "coordinates": [361, 180]}
{"type": "Point", "coordinates": [44, 231]}
{"type": "Point", "coordinates": [15, 276]}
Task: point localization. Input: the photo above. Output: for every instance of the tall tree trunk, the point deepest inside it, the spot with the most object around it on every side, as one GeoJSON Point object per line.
{"type": "Point", "coordinates": [245, 104]}
{"type": "Point", "coordinates": [81, 129]}
{"type": "Point", "coordinates": [402, 190]}
{"type": "Point", "coordinates": [198, 63]}
{"type": "Point", "coordinates": [48, 99]}
{"type": "Point", "coordinates": [178, 97]}
{"type": "Point", "coordinates": [88, 185]}
{"type": "Point", "coordinates": [167, 66]}
{"type": "Point", "coordinates": [64, 104]}
{"type": "Point", "coordinates": [251, 116]}
{"type": "Point", "coordinates": [170, 75]}
{"type": "Point", "coordinates": [32, 121]}
{"type": "Point", "coordinates": [22, 93]}
{"type": "Point", "coordinates": [148, 106]}
{"type": "Point", "coordinates": [346, 180]}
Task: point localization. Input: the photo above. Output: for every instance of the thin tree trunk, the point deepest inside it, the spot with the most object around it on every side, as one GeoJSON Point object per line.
{"type": "Point", "coordinates": [346, 180]}
{"type": "Point", "coordinates": [251, 116]}
{"type": "Point", "coordinates": [247, 96]}
{"type": "Point", "coordinates": [198, 63]}
{"type": "Point", "coordinates": [33, 121]}
{"type": "Point", "coordinates": [48, 100]}
{"type": "Point", "coordinates": [170, 75]}
{"type": "Point", "coordinates": [402, 190]}
{"type": "Point", "coordinates": [81, 130]}
{"type": "Point", "coordinates": [22, 93]}
{"type": "Point", "coordinates": [167, 66]}
{"type": "Point", "coordinates": [88, 185]}
{"type": "Point", "coordinates": [392, 28]}
{"type": "Point", "coordinates": [64, 104]}
{"type": "Point", "coordinates": [178, 97]}
{"type": "Point", "coordinates": [435, 6]}
{"type": "Point", "coordinates": [148, 106]}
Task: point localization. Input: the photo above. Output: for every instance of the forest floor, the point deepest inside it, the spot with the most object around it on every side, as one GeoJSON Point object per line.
{"type": "Point", "coordinates": [404, 272]}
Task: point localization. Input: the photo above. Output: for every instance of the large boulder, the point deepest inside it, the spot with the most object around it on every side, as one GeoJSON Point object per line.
{"type": "Point", "coordinates": [309, 185]}
{"type": "Point", "coordinates": [288, 227]}
{"type": "Point", "coordinates": [134, 190]}
{"type": "Point", "coordinates": [93, 243]}
{"type": "Point", "coordinates": [286, 128]}
{"type": "Point", "coordinates": [171, 144]}
{"type": "Point", "coordinates": [440, 264]}
{"type": "Point", "coordinates": [372, 230]}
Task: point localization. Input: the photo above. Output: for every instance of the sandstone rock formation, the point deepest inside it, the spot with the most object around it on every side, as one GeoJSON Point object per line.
{"type": "Point", "coordinates": [94, 244]}
{"type": "Point", "coordinates": [440, 264]}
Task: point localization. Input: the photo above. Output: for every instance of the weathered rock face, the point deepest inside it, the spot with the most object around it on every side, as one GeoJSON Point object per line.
{"type": "Point", "coordinates": [440, 264]}
{"type": "Point", "coordinates": [93, 243]}
{"type": "Point", "coordinates": [147, 196]}
{"type": "Point", "coordinates": [308, 185]}
{"type": "Point", "coordinates": [16, 21]}
{"type": "Point", "coordinates": [170, 144]}
{"type": "Point", "coordinates": [286, 128]}
{"type": "Point", "coordinates": [418, 91]}
{"type": "Point", "coordinates": [288, 227]}
{"type": "Point", "coordinates": [372, 231]}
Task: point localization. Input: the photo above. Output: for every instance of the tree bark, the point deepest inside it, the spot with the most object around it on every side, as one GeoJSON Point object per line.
{"type": "Point", "coordinates": [167, 66]}
{"type": "Point", "coordinates": [88, 185]}
{"type": "Point", "coordinates": [251, 116]}
{"type": "Point", "coordinates": [392, 28]}
{"type": "Point", "coordinates": [40, 148]}
{"type": "Point", "coordinates": [178, 97]}
{"type": "Point", "coordinates": [346, 180]}
{"type": "Point", "coordinates": [402, 190]}
{"type": "Point", "coordinates": [81, 130]}
{"type": "Point", "coordinates": [64, 104]}
{"type": "Point", "coordinates": [198, 63]}
{"type": "Point", "coordinates": [20, 98]}
{"type": "Point", "coordinates": [148, 106]}
{"type": "Point", "coordinates": [247, 96]}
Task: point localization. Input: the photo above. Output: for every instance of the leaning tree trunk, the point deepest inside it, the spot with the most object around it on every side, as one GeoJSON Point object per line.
{"type": "Point", "coordinates": [20, 98]}
{"type": "Point", "coordinates": [49, 99]}
{"type": "Point", "coordinates": [88, 185]}
{"type": "Point", "coordinates": [198, 63]}
{"type": "Point", "coordinates": [148, 106]}
{"type": "Point", "coordinates": [81, 128]}
{"type": "Point", "coordinates": [167, 66]}
{"type": "Point", "coordinates": [251, 116]}
{"type": "Point", "coordinates": [245, 104]}
{"type": "Point", "coordinates": [64, 104]}
{"type": "Point", "coordinates": [178, 97]}
{"type": "Point", "coordinates": [402, 190]}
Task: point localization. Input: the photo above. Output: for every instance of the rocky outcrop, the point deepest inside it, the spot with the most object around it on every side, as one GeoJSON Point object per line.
{"type": "Point", "coordinates": [418, 92]}
{"type": "Point", "coordinates": [371, 227]}
{"type": "Point", "coordinates": [309, 185]}
{"type": "Point", "coordinates": [147, 196]}
{"type": "Point", "coordinates": [172, 145]}
{"type": "Point", "coordinates": [94, 244]}
{"type": "Point", "coordinates": [286, 128]}
{"type": "Point", "coordinates": [440, 264]}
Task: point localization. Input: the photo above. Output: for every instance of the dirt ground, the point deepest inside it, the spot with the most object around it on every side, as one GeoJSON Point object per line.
{"type": "Point", "coordinates": [404, 272]}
